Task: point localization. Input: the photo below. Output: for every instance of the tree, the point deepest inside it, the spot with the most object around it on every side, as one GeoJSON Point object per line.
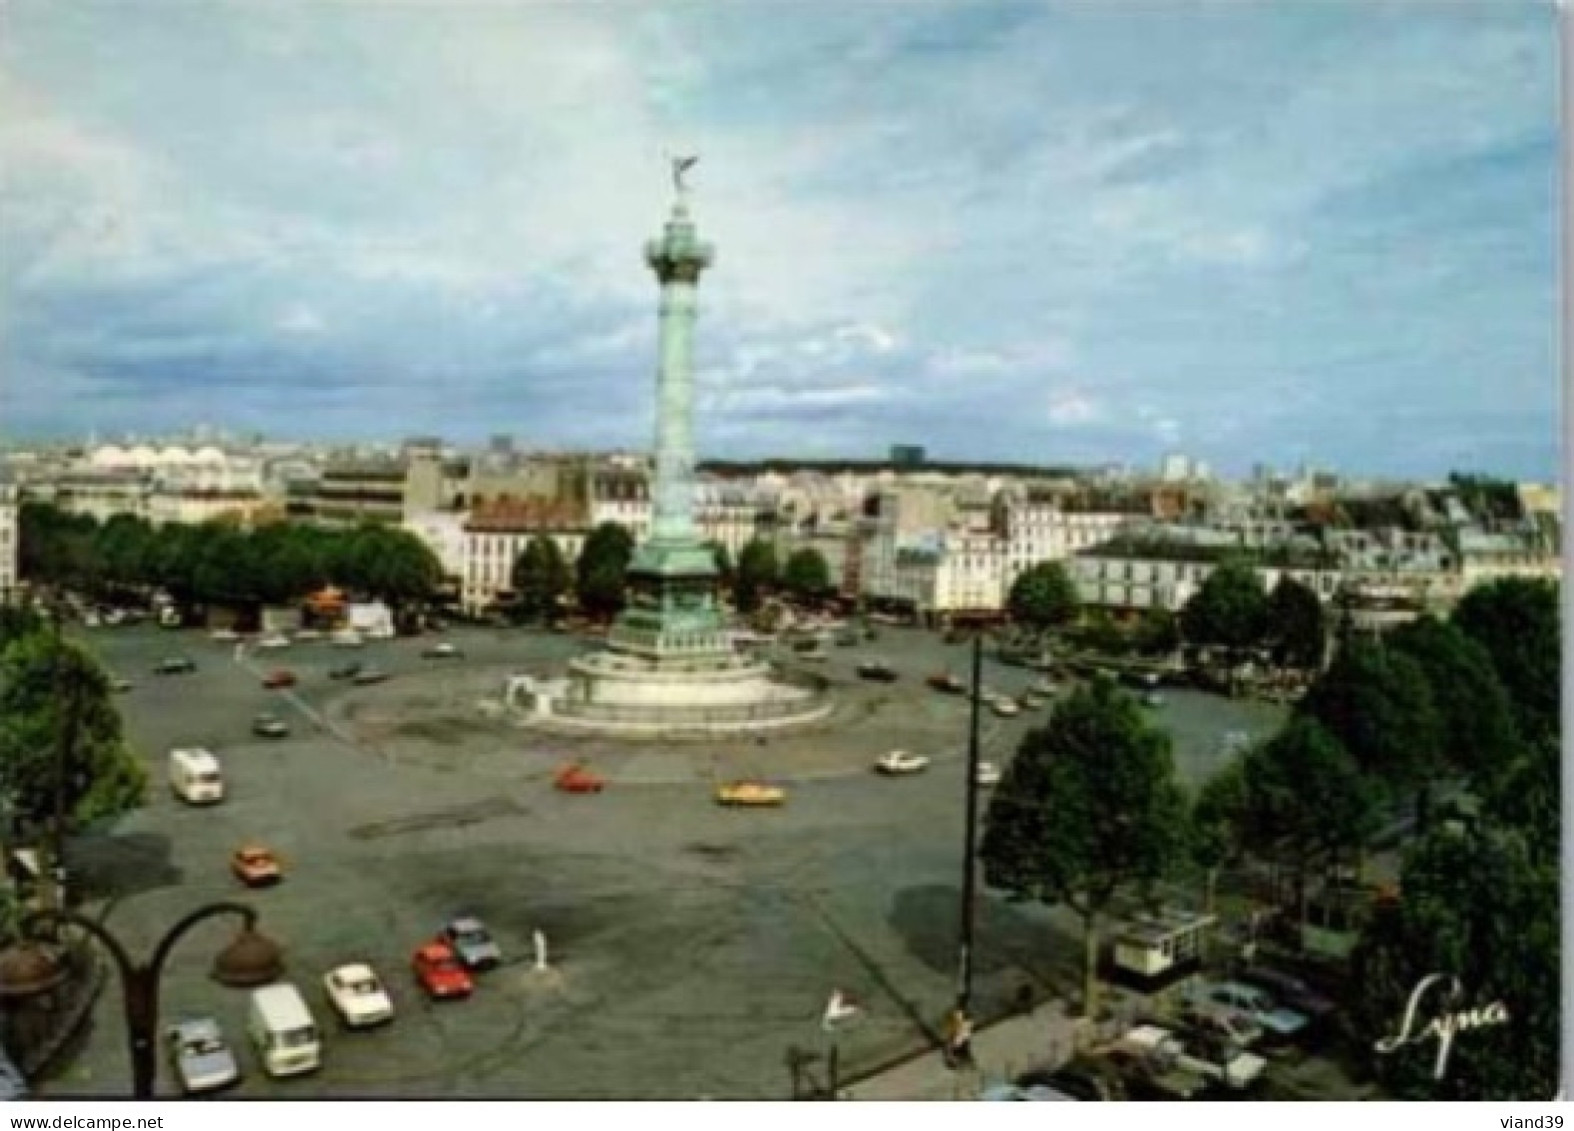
{"type": "Point", "coordinates": [1089, 810]}
{"type": "Point", "coordinates": [1218, 824]}
{"type": "Point", "coordinates": [723, 561]}
{"type": "Point", "coordinates": [757, 573]}
{"type": "Point", "coordinates": [1517, 621]}
{"type": "Point", "coordinates": [1478, 733]}
{"type": "Point", "coordinates": [1306, 800]}
{"type": "Point", "coordinates": [1101, 634]}
{"type": "Point", "coordinates": [1376, 702]}
{"type": "Point", "coordinates": [1230, 609]}
{"type": "Point", "coordinates": [806, 575]}
{"type": "Point", "coordinates": [49, 689]}
{"type": "Point", "coordinates": [1476, 906]}
{"type": "Point", "coordinates": [1158, 632]}
{"type": "Point", "coordinates": [601, 573]}
{"type": "Point", "coordinates": [540, 578]}
{"type": "Point", "coordinates": [1296, 626]}
{"type": "Point", "coordinates": [1043, 597]}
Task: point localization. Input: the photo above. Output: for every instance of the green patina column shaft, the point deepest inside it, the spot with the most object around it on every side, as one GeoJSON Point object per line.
{"type": "Point", "coordinates": [673, 612]}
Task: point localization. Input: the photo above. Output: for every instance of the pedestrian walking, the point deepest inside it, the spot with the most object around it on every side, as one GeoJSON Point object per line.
{"type": "Point", "coordinates": [959, 1039]}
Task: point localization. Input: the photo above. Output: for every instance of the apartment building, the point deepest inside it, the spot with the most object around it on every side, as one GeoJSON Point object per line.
{"type": "Point", "coordinates": [496, 533]}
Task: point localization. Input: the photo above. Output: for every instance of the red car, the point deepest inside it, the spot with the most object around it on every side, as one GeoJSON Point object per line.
{"type": "Point", "coordinates": [440, 973]}
{"type": "Point", "coordinates": [280, 678]}
{"type": "Point", "coordinates": [574, 778]}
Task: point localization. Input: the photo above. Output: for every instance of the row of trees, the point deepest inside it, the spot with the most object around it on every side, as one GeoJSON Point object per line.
{"type": "Point", "coordinates": [220, 563]}
{"type": "Point", "coordinates": [542, 580]}
{"type": "Point", "coordinates": [1090, 812]}
{"type": "Point", "coordinates": [1231, 609]}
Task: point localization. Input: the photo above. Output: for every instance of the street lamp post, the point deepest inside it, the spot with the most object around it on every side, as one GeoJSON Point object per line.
{"type": "Point", "coordinates": [251, 959]}
{"type": "Point", "coordinates": [964, 977]}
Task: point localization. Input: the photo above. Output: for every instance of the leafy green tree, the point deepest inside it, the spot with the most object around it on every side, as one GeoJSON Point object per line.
{"type": "Point", "coordinates": [1477, 906]}
{"type": "Point", "coordinates": [1218, 824]}
{"type": "Point", "coordinates": [724, 567]}
{"type": "Point", "coordinates": [1306, 800]}
{"type": "Point", "coordinates": [225, 572]}
{"type": "Point", "coordinates": [1478, 733]}
{"type": "Point", "coordinates": [1229, 610]}
{"type": "Point", "coordinates": [1089, 810]}
{"type": "Point", "coordinates": [1158, 632]}
{"type": "Point", "coordinates": [1527, 796]}
{"type": "Point", "coordinates": [173, 560]}
{"type": "Point", "coordinates": [758, 572]}
{"type": "Point", "coordinates": [49, 690]}
{"type": "Point", "coordinates": [1043, 597]}
{"type": "Point", "coordinates": [1101, 634]}
{"type": "Point", "coordinates": [806, 575]}
{"type": "Point", "coordinates": [1376, 702]}
{"type": "Point", "coordinates": [125, 543]}
{"type": "Point", "coordinates": [540, 579]}
{"type": "Point", "coordinates": [1296, 625]}
{"type": "Point", "coordinates": [601, 573]}
{"type": "Point", "coordinates": [1517, 621]}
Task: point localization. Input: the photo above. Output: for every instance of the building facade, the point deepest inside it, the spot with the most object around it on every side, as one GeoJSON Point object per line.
{"type": "Point", "coordinates": [496, 534]}
{"type": "Point", "coordinates": [10, 544]}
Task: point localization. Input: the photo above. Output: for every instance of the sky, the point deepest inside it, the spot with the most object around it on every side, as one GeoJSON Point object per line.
{"type": "Point", "coordinates": [1065, 233]}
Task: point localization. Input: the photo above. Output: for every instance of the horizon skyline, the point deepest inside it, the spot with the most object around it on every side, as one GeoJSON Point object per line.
{"type": "Point", "coordinates": [1007, 232]}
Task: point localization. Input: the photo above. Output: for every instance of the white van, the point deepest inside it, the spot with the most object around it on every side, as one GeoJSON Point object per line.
{"type": "Point", "coordinates": [195, 776]}
{"type": "Point", "coordinates": [283, 1032]}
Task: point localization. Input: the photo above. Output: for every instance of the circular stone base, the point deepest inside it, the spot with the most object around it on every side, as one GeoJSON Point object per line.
{"type": "Point", "coordinates": [614, 694]}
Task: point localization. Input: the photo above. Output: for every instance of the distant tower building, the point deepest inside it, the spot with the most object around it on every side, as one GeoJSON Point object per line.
{"type": "Point", "coordinates": [907, 456]}
{"type": "Point", "coordinates": [1175, 468]}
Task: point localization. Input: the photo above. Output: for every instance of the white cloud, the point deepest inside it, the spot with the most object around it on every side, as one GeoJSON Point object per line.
{"type": "Point", "coordinates": [1070, 407]}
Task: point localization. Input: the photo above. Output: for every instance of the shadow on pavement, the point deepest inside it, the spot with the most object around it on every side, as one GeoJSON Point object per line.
{"type": "Point", "coordinates": [108, 866]}
{"type": "Point", "coordinates": [1009, 945]}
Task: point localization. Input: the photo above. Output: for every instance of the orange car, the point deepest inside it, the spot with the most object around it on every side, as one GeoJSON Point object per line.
{"type": "Point", "coordinates": [575, 778]}
{"type": "Point", "coordinates": [256, 866]}
{"type": "Point", "coordinates": [277, 679]}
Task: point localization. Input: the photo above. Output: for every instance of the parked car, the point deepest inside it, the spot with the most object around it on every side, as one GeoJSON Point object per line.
{"type": "Point", "coordinates": [120, 683]}
{"type": "Point", "coordinates": [200, 1057]}
{"type": "Point", "coordinates": [274, 641]}
{"type": "Point", "coordinates": [347, 638]}
{"type": "Point", "coordinates": [877, 670]}
{"type": "Point", "coordinates": [1206, 1054]}
{"type": "Point", "coordinates": [1035, 1092]}
{"type": "Point", "coordinates": [440, 973]}
{"type": "Point", "coordinates": [357, 996]}
{"type": "Point", "coordinates": [1225, 1021]}
{"type": "Point", "coordinates": [988, 773]}
{"type": "Point", "coordinates": [175, 665]}
{"type": "Point", "coordinates": [575, 778]}
{"type": "Point", "coordinates": [443, 651]}
{"type": "Point", "coordinates": [1254, 1003]}
{"type": "Point", "coordinates": [1031, 701]}
{"type": "Point", "coordinates": [269, 726]}
{"type": "Point", "coordinates": [345, 671]}
{"type": "Point", "coordinates": [307, 634]}
{"type": "Point", "coordinates": [224, 635]}
{"type": "Point", "coordinates": [1005, 707]}
{"type": "Point", "coordinates": [1088, 1082]}
{"type": "Point", "coordinates": [282, 677]}
{"type": "Point", "coordinates": [256, 866]}
{"type": "Point", "coordinates": [1152, 699]}
{"type": "Point", "coordinates": [1155, 1075]}
{"type": "Point", "coordinates": [1289, 990]}
{"type": "Point", "coordinates": [946, 682]}
{"type": "Point", "coordinates": [474, 944]}
{"type": "Point", "coordinates": [750, 794]}
{"type": "Point", "coordinates": [369, 676]}
{"type": "Point", "coordinates": [848, 639]}
{"type": "Point", "coordinates": [901, 762]}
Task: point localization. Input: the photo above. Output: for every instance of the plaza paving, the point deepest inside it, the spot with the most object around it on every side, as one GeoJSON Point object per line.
{"type": "Point", "coordinates": [691, 946]}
